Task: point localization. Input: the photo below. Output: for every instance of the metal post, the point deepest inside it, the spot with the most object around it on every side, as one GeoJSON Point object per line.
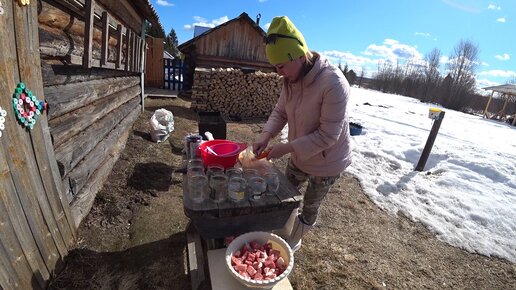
{"type": "Point", "coordinates": [430, 142]}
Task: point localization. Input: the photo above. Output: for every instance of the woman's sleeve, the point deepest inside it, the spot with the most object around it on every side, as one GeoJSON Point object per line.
{"type": "Point", "coordinates": [278, 116]}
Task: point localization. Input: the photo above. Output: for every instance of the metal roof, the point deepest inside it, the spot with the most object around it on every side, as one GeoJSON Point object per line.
{"type": "Point", "coordinates": [509, 89]}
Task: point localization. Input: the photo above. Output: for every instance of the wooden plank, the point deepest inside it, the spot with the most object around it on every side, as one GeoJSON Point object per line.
{"type": "Point", "coordinates": [119, 46]}
{"type": "Point", "coordinates": [29, 66]}
{"type": "Point", "coordinates": [88, 33]}
{"type": "Point", "coordinates": [74, 59]}
{"type": "Point", "coordinates": [133, 52]}
{"type": "Point", "coordinates": [71, 152]}
{"type": "Point", "coordinates": [68, 125]}
{"type": "Point", "coordinates": [56, 73]}
{"type": "Point", "coordinates": [83, 202]}
{"type": "Point", "coordinates": [80, 174]}
{"type": "Point", "coordinates": [69, 97]}
{"type": "Point", "coordinates": [128, 33]}
{"type": "Point", "coordinates": [16, 154]}
{"type": "Point", "coordinates": [196, 254]}
{"type": "Point", "coordinates": [15, 271]}
{"type": "Point", "coordinates": [105, 39]}
{"type": "Point", "coordinates": [138, 53]}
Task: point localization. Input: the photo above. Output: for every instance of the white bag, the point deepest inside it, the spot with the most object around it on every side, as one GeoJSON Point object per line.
{"type": "Point", "coordinates": [162, 123]}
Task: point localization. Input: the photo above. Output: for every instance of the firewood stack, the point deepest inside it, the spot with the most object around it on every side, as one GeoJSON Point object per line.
{"type": "Point", "coordinates": [235, 93]}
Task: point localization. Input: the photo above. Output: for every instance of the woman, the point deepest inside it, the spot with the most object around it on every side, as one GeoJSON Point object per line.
{"type": "Point", "coordinates": [313, 103]}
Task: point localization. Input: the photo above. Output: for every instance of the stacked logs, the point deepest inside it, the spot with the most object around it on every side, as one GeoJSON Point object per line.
{"type": "Point", "coordinates": [234, 92]}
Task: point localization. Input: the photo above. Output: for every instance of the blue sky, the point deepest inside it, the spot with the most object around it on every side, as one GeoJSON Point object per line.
{"type": "Point", "coordinates": [362, 33]}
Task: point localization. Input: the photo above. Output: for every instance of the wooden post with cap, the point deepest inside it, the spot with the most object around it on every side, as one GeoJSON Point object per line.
{"type": "Point", "coordinates": [430, 142]}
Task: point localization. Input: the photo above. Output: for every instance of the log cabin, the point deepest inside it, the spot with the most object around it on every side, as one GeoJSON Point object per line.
{"type": "Point", "coordinates": [237, 43]}
{"type": "Point", "coordinates": [85, 59]}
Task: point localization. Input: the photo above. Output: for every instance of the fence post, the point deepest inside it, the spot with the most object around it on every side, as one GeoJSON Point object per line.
{"type": "Point", "coordinates": [430, 142]}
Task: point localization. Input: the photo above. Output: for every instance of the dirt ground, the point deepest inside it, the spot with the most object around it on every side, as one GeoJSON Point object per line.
{"type": "Point", "coordinates": [134, 236]}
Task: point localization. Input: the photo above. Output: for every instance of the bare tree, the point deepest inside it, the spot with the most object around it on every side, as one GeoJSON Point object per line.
{"type": "Point", "coordinates": [432, 75]}
{"type": "Point", "coordinates": [362, 73]}
{"type": "Point", "coordinates": [461, 68]}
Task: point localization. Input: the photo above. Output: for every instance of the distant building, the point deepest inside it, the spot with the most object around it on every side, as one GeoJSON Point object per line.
{"type": "Point", "coordinates": [237, 43]}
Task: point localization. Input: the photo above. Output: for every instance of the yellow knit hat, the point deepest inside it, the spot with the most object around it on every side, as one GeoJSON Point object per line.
{"type": "Point", "coordinates": [284, 42]}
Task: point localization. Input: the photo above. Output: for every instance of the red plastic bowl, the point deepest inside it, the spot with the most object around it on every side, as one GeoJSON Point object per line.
{"type": "Point", "coordinates": [223, 152]}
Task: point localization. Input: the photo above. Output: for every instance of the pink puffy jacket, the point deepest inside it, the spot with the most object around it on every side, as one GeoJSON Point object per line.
{"type": "Point", "coordinates": [315, 109]}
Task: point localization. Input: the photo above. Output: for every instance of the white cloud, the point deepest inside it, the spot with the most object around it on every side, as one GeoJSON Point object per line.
{"type": "Point", "coordinates": [494, 7]}
{"type": "Point", "coordinates": [504, 56]}
{"type": "Point", "coordinates": [164, 3]}
{"type": "Point", "coordinates": [484, 63]}
{"type": "Point", "coordinates": [392, 50]}
{"type": "Point", "coordinates": [424, 34]}
{"type": "Point", "coordinates": [501, 20]}
{"type": "Point", "coordinates": [200, 21]}
{"type": "Point", "coordinates": [498, 73]}
{"type": "Point", "coordinates": [460, 6]}
{"type": "Point", "coordinates": [483, 83]}
{"type": "Point", "coordinates": [266, 26]}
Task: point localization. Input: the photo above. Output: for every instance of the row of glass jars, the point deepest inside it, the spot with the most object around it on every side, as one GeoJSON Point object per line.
{"type": "Point", "coordinates": [234, 183]}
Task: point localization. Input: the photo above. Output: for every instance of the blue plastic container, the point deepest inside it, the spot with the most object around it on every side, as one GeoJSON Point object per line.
{"type": "Point", "coordinates": [355, 129]}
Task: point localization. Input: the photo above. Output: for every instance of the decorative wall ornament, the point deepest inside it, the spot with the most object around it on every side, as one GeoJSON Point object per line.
{"type": "Point", "coordinates": [3, 113]}
{"type": "Point", "coordinates": [26, 107]}
{"type": "Point", "coordinates": [24, 2]}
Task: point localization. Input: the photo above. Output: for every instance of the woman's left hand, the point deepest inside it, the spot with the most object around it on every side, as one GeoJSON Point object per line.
{"type": "Point", "coordinates": [278, 150]}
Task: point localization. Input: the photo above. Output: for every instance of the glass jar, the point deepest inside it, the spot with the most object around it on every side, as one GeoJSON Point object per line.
{"type": "Point", "coordinates": [272, 180]}
{"type": "Point", "coordinates": [198, 188]}
{"type": "Point", "coordinates": [214, 169]}
{"type": "Point", "coordinates": [236, 188]}
{"type": "Point", "coordinates": [219, 187]}
{"type": "Point", "coordinates": [234, 172]}
{"type": "Point", "coordinates": [250, 172]}
{"type": "Point", "coordinates": [195, 162]}
{"type": "Point", "coordinates": [257, 186]}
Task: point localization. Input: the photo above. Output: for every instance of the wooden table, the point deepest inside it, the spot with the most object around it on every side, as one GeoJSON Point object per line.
{"type": "Point", "coordinates": [219, 220]}
{"type": "Point", "coordinates": [210, 222]}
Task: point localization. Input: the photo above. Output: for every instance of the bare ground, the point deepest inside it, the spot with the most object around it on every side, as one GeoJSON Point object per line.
{"type": "Point", "coordinates": [134, 236]}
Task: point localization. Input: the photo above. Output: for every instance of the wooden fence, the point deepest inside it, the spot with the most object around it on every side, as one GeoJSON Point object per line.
{"type": "Point", "coordinates": [173, 74]}
{"type": "Point", "coordinates": [35, 223]}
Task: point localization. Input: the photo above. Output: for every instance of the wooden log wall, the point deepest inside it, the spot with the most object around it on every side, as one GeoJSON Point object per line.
{"type": "Point", "coordinates": [35, 223]}
{"type": "Point", "coordinates": [234, 92]}
{"type": "Point", "coordinates": [91, 67]}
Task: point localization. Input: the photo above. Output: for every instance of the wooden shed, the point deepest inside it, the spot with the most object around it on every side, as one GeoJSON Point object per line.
{"type": "Point", "coordinates": [237, 43]}
{"type": "Point", "coordinates": [86, 59]}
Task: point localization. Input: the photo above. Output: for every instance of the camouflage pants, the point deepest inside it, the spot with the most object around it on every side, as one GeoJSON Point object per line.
{"type": "Point", "coordinates": [318, 187]}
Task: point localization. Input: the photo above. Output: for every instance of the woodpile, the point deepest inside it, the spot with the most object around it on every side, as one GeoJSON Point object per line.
{"type": "Point", "coordinates": [234, 92]}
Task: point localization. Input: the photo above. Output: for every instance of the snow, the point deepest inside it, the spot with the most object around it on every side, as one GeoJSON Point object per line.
{"type": "Point", "coordinates": [466, 194]}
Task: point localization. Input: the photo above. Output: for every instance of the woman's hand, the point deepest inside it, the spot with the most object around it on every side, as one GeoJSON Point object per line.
{"type": "Point", "coordinates": [278, 150]}
{"type": "Point", "coordinates": [261, 143]}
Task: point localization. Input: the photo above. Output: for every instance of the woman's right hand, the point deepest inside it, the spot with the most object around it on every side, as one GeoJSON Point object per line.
{"type": "Point", "coordinates": [261, 143]}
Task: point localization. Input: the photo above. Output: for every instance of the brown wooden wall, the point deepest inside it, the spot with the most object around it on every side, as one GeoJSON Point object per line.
{"type": "Point", "coordinates": [237, 40]}
{"type": "Point", "coordinates": [85, 58]}
{"type": "Point", "coordinates": [36, 229]}
{"type": "Point", "coordinates": [154, 68]}
{"type": "Point", "coordinates": [93, 87]}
